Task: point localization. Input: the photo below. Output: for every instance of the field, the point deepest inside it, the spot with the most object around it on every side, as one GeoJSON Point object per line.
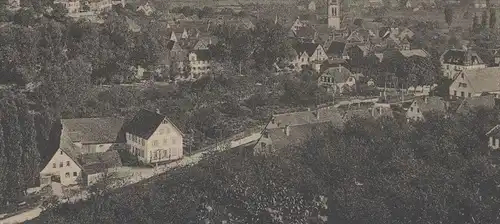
{"type": "Point", "coordinates": [438, 15]}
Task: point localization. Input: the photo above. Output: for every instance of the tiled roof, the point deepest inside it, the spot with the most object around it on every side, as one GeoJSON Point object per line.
{"type": "Point", "coordinates": [94, 130]}
{"type": "Point", "coordinates": [308, 117]}
{"type": "Point", "coordinates": [305, 32]}
{"type": "Point", "coordinates": [340, 74]}
{"type": "Point", "coordinates": [309, 48]}
{"type": "Point", "coordinates": [98, 162]}
{"type": "Point", "coordinates": [356, 113]}
{"type": "Point", "coordinates": [484, 79]}
{"type": "Point", "coordinates": [333, 63]}
{"type": "Point", "coordinates": [336, 48]}
{"type": "Point", "coordinates": [472, 103]}
{"type": "Point", "coordinates": [461, 57]}
{"type": "Point", "coordinates": [68, 147]}
{"type": "Point", "coordinates": [415, 52]}
{"type": "Point", "coordinates": [203, 55]}
{"type": "Point", "coordinates": [297, 134]}
{"type": "Point", "coordinates": [145, 123]}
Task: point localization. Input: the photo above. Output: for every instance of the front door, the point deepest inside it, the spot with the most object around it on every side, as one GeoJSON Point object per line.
{"type": "Point", "coordinates": [56, 178]}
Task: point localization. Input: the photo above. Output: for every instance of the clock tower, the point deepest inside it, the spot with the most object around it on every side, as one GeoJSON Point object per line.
{"type": "Point", "coordinates": [334, 14]}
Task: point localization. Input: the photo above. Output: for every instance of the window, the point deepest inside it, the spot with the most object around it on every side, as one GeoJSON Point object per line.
{"type": "Point", "coordinates": [165, 141]}
{"type": "Point", "coordinates": [418, 110]}
{"type": "Point", "coordinates": [263, 145]}
{"type": "Point", "coordinates": [462, 76]}
{"type": "Point", "coordinates": [60, 164]}
{"type": "Point", "coordinates": [462, 94]}
{"type": "Point", "coordinates": [165, 122]}
{"type": "Point", "coordinates": [54, 165]}
{"type": "Point", "coordinates": [411, 109]}
{"type": "Point", "coordinates": [66, 175]}
{"type": "Point", "coordinates": [67, 163]}
{"type": "Point", "coordinates": [470, 94]}
{"type": "Point", "coordinates": [61, 152]}
{"type": "Point", "coordinates": [142, 142]}
{"type": "Point", "coordinates": [155, 143]}
{"type": "Point", "coordinates": [161, 131]}
{"type": "Point", "coordinates": [75, 174]}
{"type": "Point", "coordinates": [455, 93]}
{"type": "Point", "coordinates": [155, 155]}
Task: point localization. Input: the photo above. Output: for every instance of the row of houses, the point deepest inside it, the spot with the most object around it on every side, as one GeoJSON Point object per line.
{"type": "Point", "coordinates": [292, 129]}
{"type": "Point", "coordinates": [89, 147]}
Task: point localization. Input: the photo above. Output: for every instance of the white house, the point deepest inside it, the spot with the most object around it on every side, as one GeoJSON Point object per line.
{"type": "Point", "coordinates": [474, 82]}
{"type": "Point", "coordinates": [153, 138]}
{"type": "Point", "coordinates": [494, 137]}
{"type": "Point", "coordinates": [199, 62]}
{"type": "Point", "coordinates": [425, 104]}
{"type": "Point", "coordinates": [63, 167]}
{"type": "Point", "coordinates": [454, 61]}
{"type": "Point", "coordinates": [73, 6]}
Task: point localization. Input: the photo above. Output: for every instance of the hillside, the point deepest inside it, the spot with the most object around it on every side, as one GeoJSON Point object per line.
{"type": "Point", "coordinates": [374, 171]}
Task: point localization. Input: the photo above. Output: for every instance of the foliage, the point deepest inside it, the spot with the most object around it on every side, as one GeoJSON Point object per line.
{"type": "Point", "coordinates": [20, 159]}
{"type": "Point", "coordinates": [493, 18]}
{"type": "Point", "coordinates": [448, 15]}
{"type": "Point", "coordinates": [372, 171]}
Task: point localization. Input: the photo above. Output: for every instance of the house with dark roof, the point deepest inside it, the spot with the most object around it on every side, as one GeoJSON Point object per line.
{"type": "Point", "coordinates": [472, 104]}
{"type": "Point", "coordinates": [475, 82]}
{"type": "Point", "coordinates": [70, 166]}
{"type": "Point", "coordinates": [306, 34]}
{"type": "Point", "coordinates": [63, 167]}
{"type": "Point", "coordinates": [199, 62]}
{"type": "Point", "coordinates": [425, 104]}
{"type": "Point", "coordinates": [494, 137]}
{"type": "Point", "coordinates": [95, 135]}
{"type": "Point", "coordinates": [319, 115]}
{"type": "Point", "coordinates": [336, 49]}
{"type": "Point", "coordinates": [308, 54]}
{"type": "Point", "coordinates": [153, 138]}
{"type": "Point", "coordinates": [454, 61]}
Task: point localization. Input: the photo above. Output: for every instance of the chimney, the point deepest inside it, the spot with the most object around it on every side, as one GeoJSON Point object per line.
{"type": "Point", "coordinates": [287, 130]}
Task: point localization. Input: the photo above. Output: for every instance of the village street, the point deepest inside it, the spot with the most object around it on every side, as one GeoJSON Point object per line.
{"type": "Point", "coordinates": [127, 176]}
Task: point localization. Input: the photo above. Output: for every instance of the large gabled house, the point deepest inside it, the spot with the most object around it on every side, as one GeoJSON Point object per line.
{"type": "Point", "coordinates": [308, 54]}
{"type": "Point", "coordinates": [69, 165]}
{"type": "Point", "coordinates": [494, 137]}
{"type": "Point", "coordinates": [153, 138]}
{"type": "Point", "coordinates": [422, 105]}
{"type": "Point", "coordinates": [454, 61]}
{"type": "Point", "coordinates": [475, 82]}
{"type": "Point", "coordinates": [289, 129]}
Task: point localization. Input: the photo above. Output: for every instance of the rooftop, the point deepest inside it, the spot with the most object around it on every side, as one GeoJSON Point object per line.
{"type": "Point", "coordinates": [94, 130]}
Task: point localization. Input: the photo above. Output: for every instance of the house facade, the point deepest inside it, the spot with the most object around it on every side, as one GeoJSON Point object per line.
{"type": "Point", "coordinates": [153, 138]}
{"type": "Point", "coordinates": [199, 62]}
{"type": "Point", "coordinates": [494, 137]}
{"type": "Point", "coordinates": [100, 5]}
{"type": "Point", "coordinates": [454, 61]}
{"type": "Point", "coordinates": [337, 79]}
{"type": "Point", "coordinates": [474, 82]}
{"type": "Point", "coordinates": [423, 105]}
{"type": "Point", "coordinates": [63, 167]}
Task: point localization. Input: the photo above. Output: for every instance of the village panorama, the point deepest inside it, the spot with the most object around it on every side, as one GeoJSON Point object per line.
{"type": "Point", "coordinates": [250, 111]}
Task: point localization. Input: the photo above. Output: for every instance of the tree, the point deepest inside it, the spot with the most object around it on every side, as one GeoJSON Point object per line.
{"type": "Point", "coordinates": [484, 20]}
{"type": "Point", "coordinates": [493, 18]}
{"type": "Point", "coordinates": [448, 16]}
{"type": "Point", "coordinates": [475, 24]}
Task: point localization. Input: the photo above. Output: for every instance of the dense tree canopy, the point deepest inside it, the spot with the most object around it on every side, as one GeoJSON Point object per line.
{"type": "Point", "coordinates": [372, 171]}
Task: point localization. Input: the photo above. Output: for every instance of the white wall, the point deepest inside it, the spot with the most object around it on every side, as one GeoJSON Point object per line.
{"type": "Point", "coordinates": [58, 158]}
{"type": "Point", "coordinates": [165, 141]}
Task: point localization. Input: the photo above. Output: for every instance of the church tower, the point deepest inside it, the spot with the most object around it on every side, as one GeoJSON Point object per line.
{"type": "Point", "coordinates": [334, 14]}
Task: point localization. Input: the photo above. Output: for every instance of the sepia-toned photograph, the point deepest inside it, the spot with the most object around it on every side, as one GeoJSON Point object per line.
{"type": "Point", "coordinates": [249, 112]}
